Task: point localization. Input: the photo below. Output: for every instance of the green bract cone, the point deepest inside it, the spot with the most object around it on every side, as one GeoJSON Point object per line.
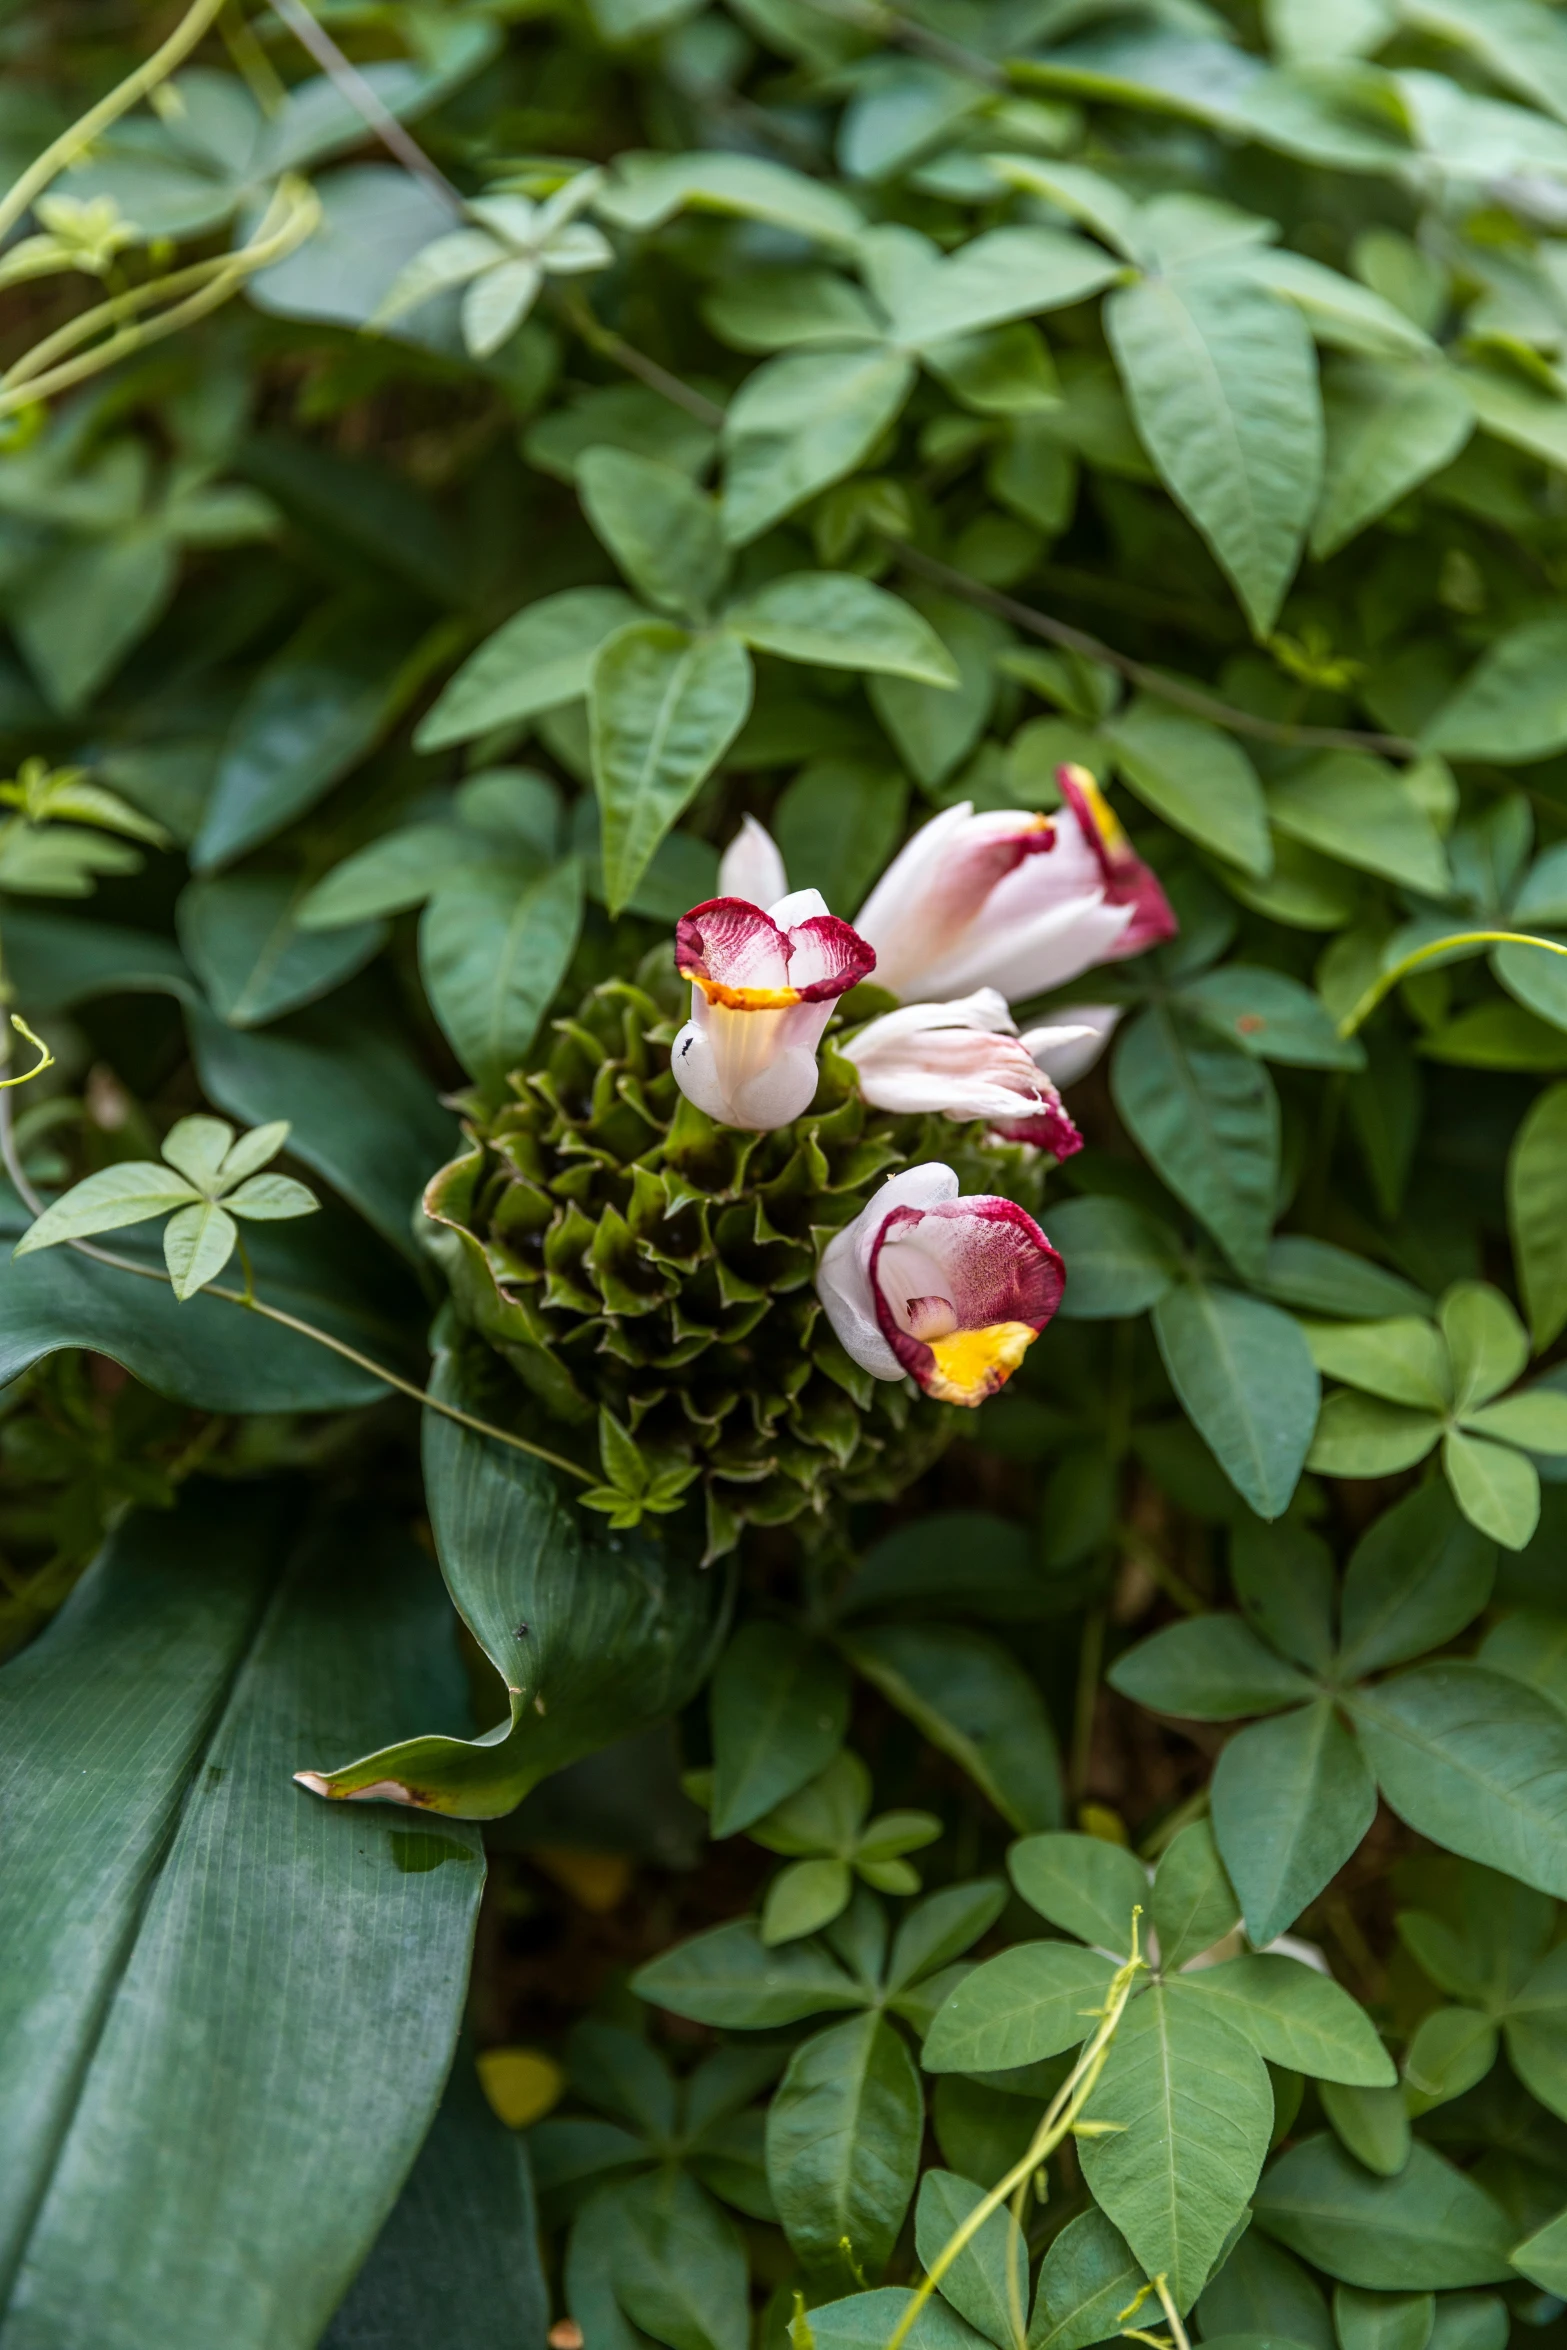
{"type": "Point", "coordinates": [649, 1275]}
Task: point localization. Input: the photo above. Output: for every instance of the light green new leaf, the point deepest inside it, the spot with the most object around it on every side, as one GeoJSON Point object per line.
{"type": "Point", "coordinates": [1362, 1436]}
{"type": "Point", "coordinates": [663, 707]}
{"type": "Point", "coordinates": [1535, 1419]}
{"type": "Point", "coordinates": [1475, 1761]}
{"type": "Point", "coordinates": [800, 423]}
{"type": "Point", "coordinates": [1207, 1116]}
{"type": "Point", "coordinates": [990, 2275]}
{"type": "Point", "coordinates": [593, 1635]}
{"type": "Point", "coordinates": [843, 2148]}
{"type": "Point", "coordinates": [1403, 1360]}
{"type": "Point", "coordinates": [1391, 424]}
{"type": "Point", "coordinates": [645, 189]}
{"type": "Point", "coordinates": [198, 1242]}
{"type": "Point", "coordinates": [1195, 2109]}
{"type": "Point", "coordinates": [837, 621]}
{"type": "Point", "coordinates": [492, 953]}
{"type": "Point", "coordinates": [780, 1708]}
{"type": "Point", "coordinates": [158, 1864]}
{"type": "Point", "coordinates": [540, 658]}
{"type": "Point", "coordinates": [1197, 778]}
{"type": "Point", "coordinates": [1512, 707]}
{"type": "Point", "coordinates": [1497, 1489]}
{"type": "Point", "coordinates": [662, 531]}
{"type": "Point", "coordinates": [1245, 1377]}
{"type": "Point", "coordinates": [974, 1700]}
{"type": "Point", "coordinates": [1222, 380]}
{"type": "Point", "coordinates": [1033, 2001]}
{"type": "Point", "coordinates": [116, 1196]}
{"type": "Point", "coordinates": [1295, 2016]}
{"type": "Point", "coordinates": [1485, 1339]}
{"type": "Point", "coordinates": [1082, 1884]}
{"type": "Point", "coordinates": [1427, 2229]}
{"type": "Point", "coordinates": [271, 1199]}
{"type": "Point", "coordinates": [1291, 1800]}
{"type": "Point", "coordinates": [1003, 274]}
{"type": "Point", "coordinates": [1355, 808]}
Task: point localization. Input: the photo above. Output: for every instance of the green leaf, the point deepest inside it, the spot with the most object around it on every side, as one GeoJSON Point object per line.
{"type": "Point", "coordinates": [1357, 809]}
{"type": "Point", "coordinates": [171, 1698]}
{"type": "Point", "coordinates": [730, 1978]}
{"type": "Point", "coordinates": [1087, 2279]}
{"type": "Point", "coordinates": [1294, 2016]}
{"type": "Point", "coordinates": [934, 727]}
{"type": "Point", "coordinates": [1222, 381]}
{"type": "Point", "coordinates": [1542, 2257]}
{"type": "Point", "coordinates": [198, 1242]}
{"type": "Point", "coordinates": [1006, 273]}
{"type": "Point", "coordinates": [867, 2321]}
{"type": "Point", "coordinates": [540, 658]}
{"type": "Point", "coordinates": [843, 2146]}
{"type": "Point", "coordinates": [1244, 1375]}
{"type": "Point", "coordinates": [1122, 1260]}
{"type": "Point", "coordinates": [990, 2274]}
{"type": "Point", "coordinates": [1083, 1884]}
{"type": "Point", "coordinates": [1471, 2321]}
{"type": "Point", "coordinates": [1382, 2321]}
{"type": "Point", "coordinates": [659, 527]}
{"type": "Point", "coordinates": [807, 1895]}
{"type": "Point", "coordinates": [1206, 1116]}
{"type": "Point", "coordinates": [780, 1709]}
{"type": "Point", "coordinates": [1427, 2229]}
{"type": "Point", "coordinates": [1197, 778]}
{"type": "Point", "coordinates": [838, 621]}
{"type": "Point", "coordinates": [1195, 2110]}
{"type": "Point", "coordinates": [456, 2266]}
{"type": "Point", "coordinates": [838, 823]}
{"type": "Point", "coordinates": [1210, 1668]}
{"type": "Point", "coordinates": [240, 932]}
{"type": "Point", "coordinates": [678, 2268]}
{"type": "Point", "coordinates": [972, 1698]}
{"type": "Point", "coordinates": [663, 708]}
{"type": "Point", "coordinates": [1452, 2049]}
{"type": "Point", "coordinates": [1416, 1577]}
{"type": "Point", "coordinates": [271, 1199]}
{"type": "Point", "coordinates": [1261, 2290]}
{"type": "Point", "coordinates": [1033, 2001]}
{"type": "Point", "coordinates": [1475, 1761]}
{"type": "Point", "coordinates": [1530, 1647]}
{"type": "Point", "coordinates": [941, 1927]}
{"type": "Point", "coordinates": [1404, 1360]}
{"type": "Point", "coordinates": [492, 954]}
{"type": "Point", "coordinates": [1391, 424]}
{"type": "Point", "coordinates": [1497, 1489]}
{"type": "Point", "coordinates": [1283, 1577]}
{"type": "Point", "coordinates": [1318, 1278]}
{"type": "Point", "coordinates": [1537, 1213]}
{"type": "Point", "coordinates": [126, 1193]}
{"type": "Point", "coordinates": [1512, 707]}
{"type": "Point", "coordinates": [397, 871]}
{"type": "Point", "coordinates": [1291, 1801]}
{"type": "Point", "coordinates": [1272, 1017]}
{"type": "Point", "coordinates": [310, 714]}
{"type": "Point", "coordinates": [1372, 2123]}
{"type": "Point", "coordinates": [594, 1635]}
{"type": "Point", "coordinates": [1001, 1576]}
{"type": "Point", "coordinates": [1194, 1903]}
{"type": "Point", "coordinates": [800, 423]}
{"type": "Point", "coordinates": [1485, 1340]}
{"type": "Point", "coordinates": [649, 188]}
{"type": "Point", "coordinates": [1361, 1436]}
{"type": "Point", "coordinates": [210, 1354]}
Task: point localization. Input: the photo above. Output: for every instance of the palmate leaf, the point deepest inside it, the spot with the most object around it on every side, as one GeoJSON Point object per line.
{"type": "Point", "coordinates": [228, 2011]}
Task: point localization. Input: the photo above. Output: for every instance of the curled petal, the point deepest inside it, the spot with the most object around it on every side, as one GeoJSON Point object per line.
{"type": "Point", "coordinates": [752, 867]}
{"type": "Point", "coordinates": [951, 1290]}
{"type": "Point", "coordinates": [961, 1060]}
{"type": "Point", "coordinates": [762, 991]}
{"type": "Point", "coordinates": [1127, 880]}
{"type": "Point", "coordinates": [1067, 1053]}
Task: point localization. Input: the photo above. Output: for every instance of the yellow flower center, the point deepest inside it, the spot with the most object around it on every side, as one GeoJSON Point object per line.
{"type": "Point", "coordinates": [972, 1364]}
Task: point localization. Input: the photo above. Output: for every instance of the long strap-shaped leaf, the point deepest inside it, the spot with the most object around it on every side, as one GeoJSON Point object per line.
{"type": "Point", "coordinates": [226, 2010]}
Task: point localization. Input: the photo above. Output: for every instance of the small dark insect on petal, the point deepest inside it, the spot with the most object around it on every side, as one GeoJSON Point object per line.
{"type": "Point", "coordinates": [521, 1632]}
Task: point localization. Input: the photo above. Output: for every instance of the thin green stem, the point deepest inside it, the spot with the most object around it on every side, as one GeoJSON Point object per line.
{"type": "Point", "coordinates": [1060, 2118]}
{"type": "Point", "coordinates": [1173, 2315]}
{"type": "Point", "coordinates": [1385, 981]}
{"type": "Point", "coordinates": [254, 1305]}
{"type": "Point", "coordinates": [63, 151]}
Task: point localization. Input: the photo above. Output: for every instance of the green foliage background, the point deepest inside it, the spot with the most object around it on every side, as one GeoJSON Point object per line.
{"type": "Point", "coordinates": [920, 398]}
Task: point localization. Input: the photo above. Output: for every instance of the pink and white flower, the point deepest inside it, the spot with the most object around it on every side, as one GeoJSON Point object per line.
{"type": "Point", "coordinates": [763, 986]}
{"type": "Point", "coordinates": [1012, 900]}
{"type": "Point", "coordinates": [953, 1291]}
{"type": "Point", "coordinates": [966, 1060]}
